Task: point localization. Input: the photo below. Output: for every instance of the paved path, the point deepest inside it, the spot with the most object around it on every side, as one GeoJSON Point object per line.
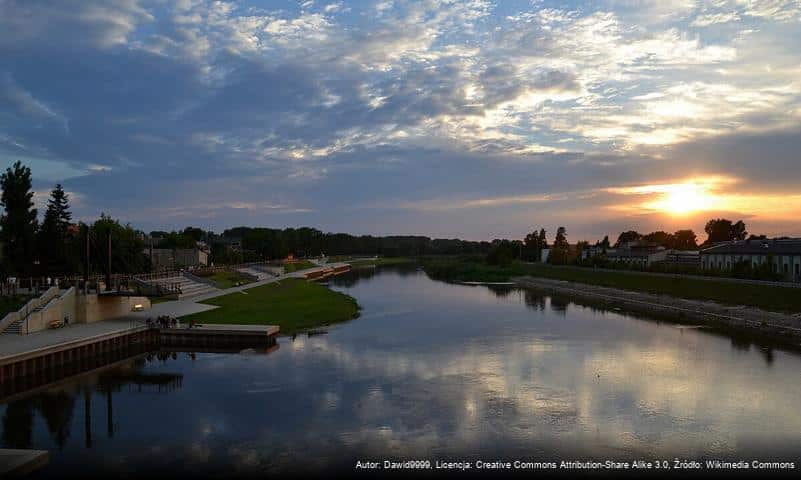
{"type": "Point", "coordinates": [15, 344]}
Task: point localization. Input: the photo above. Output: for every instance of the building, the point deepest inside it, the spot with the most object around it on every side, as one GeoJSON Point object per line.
{"type": "Point", "coordinates": [638, 256]}
{"type": "Point", "coordinates": [169, 258]}
{"type": "Point", "coordinates": [782, 255]}
{"type": "Point", "coordinates": [689, 258]}
{"type": "Point", "coordinates": [545, 253]}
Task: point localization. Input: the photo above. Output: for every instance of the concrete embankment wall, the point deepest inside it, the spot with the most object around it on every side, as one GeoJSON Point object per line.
{"type": "Point", "coordinates": [56, 305]}
{"type": "Point", "coordinates": [94, 308]}
{"type": "Point", "coordinates": [741, 317]}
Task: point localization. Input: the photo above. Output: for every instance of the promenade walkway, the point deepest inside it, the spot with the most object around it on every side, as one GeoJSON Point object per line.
{"type": "Point", "coordinates": [15, 344]}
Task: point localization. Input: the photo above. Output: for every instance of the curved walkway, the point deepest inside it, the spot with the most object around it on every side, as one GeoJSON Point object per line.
{"type": "Point", "coordinates": [15, 344]}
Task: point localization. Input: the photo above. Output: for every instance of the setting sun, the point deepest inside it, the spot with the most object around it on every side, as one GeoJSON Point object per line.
{"type": "Point", "coordinates": [683, 199]}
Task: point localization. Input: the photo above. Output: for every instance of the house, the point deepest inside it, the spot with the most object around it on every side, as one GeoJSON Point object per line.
{"type": "Point", "coordinates": [690, 258]}
{"type": "Point", "coordinates": [636, 255]}
{"type": "Point", "coordinates": [544, 254]}
{"type": "Point", "coordinates": [783, 255]}
{"type": "Point", "coordinates": [167, 258]}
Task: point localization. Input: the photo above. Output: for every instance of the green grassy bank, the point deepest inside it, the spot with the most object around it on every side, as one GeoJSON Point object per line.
{"type": "Point", "coordinates": [292, 304]}
{"type": "Point", "coordinates": [381, 261]}
{"type": "Point", "coordinates": [301, 265]}
{"type": "Point", "coordinates": [772, 298]}
{"type": "Point", "coordinates": [227, 279]}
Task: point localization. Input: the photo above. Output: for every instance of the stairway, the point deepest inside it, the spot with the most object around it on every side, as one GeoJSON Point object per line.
{"type": "Point", "coordinates": [188, 287]}
{"type": "Point", "coordinates": [15, 328]}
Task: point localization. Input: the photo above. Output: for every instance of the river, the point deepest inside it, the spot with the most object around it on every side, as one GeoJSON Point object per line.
{"type": "Point", "coordinates": [428, 371]}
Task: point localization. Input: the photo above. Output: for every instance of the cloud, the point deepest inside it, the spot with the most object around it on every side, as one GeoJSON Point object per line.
{"type": "Point", "coordinates": [447, 107]}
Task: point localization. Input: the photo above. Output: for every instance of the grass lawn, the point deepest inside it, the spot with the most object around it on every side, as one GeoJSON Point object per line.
{"type": "Point", "coordinates": [227, 279]}
{"type": "Point", "coordinates": [778, 299]}
{"type": "Point", "coordinates": [292, 304]}
{"type": "Point", "coordinates": [301, 265]}
{"type": "Point", "coordinates": [12, 303]}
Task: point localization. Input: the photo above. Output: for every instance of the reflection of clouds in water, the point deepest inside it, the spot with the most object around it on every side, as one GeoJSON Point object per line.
{"type": "Point", "coordinates": [474, 374]}
{"type": "Point", "coordinates": [652, 396]}
{"type": "Point", "coordinates": [387, 313]}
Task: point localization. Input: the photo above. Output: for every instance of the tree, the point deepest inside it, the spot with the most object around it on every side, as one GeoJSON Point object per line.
{"type": "Point", "coordinates": [660, 238]}
{"type": "Point", "coordinates": [723, 230]}
{"type": "Point", "coordinates": [195, 233]}
{"type": "Point", "coordinates": [605, 243]}
{"type": "Point", "coordinates": [533, 245]}
{"type": "Point", "coordinates": [54, 233]}
{"type": "Point", "coordinates": [560, 252]}
{"type": "Point", "coordinates": [738, 231]}
{"type": "Point", "coordinates": [561, 238]}
{"type": "Point", "coordinates": [127, 247]}
{"type": "Point", "coordinates": [627, 237]}
{"type": "Point", "coordinates": [18, 221]}
{"type": "Point", "coordinates": [502, 252]}
{"type": "Point", "coordinates": [685, 240]}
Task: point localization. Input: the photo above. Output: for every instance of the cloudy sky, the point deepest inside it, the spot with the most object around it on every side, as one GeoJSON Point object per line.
{"type": "Point", "coordinates": [471, 119]}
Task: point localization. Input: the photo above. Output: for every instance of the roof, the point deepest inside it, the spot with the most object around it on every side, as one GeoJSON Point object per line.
{"type": "Point", "coordinates": [632, 253]}
{"type": "Point", "coordinates": [788, 246]}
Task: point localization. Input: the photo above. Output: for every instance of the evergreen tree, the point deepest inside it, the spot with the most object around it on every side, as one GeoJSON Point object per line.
{"type": "Point", "coordinates": [18, 220]}
{"type": "Point", "coordinates": [54, 234]}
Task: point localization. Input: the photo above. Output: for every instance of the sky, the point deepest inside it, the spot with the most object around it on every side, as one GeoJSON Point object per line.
{"type": "Point", "coordinates": [471, 119]}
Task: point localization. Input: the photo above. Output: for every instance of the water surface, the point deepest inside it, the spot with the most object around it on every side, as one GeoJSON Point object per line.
{"type": "Point", "coordinates": [430, 370]}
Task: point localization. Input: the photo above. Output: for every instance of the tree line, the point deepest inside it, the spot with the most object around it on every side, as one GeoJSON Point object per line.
{"type": "Point", "coordinates": [57, 246]}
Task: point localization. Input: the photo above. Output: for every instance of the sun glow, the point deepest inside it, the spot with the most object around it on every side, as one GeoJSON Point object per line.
{"type": "Point", "coordinates": [684, 199]}
{"type": "Point", "coordinates": [681, 198]}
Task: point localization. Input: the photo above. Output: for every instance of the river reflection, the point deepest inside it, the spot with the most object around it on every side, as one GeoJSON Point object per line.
{"type": "Point", "coordinates": [429, 370]}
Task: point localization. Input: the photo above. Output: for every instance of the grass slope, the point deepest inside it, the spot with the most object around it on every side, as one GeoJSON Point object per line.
{"type": "Point", "coordinates": [301, 265]}
{"type": "Point", "coordinates": [226, 279]}
{"type": "Point", "coordinates": [778, 299]}
{"type": "Point", "coordinates": [292, 304]}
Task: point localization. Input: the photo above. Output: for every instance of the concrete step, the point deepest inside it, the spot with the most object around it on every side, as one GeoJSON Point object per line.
{"type": "Point", "coordinates": [14, 329]}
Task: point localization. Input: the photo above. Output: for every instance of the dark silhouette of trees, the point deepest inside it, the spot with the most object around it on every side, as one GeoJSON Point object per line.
{"type": "Point", "coordinates": [54, 234]}
{"type": "Point", "coordinates": [18, 221]}
{"type": "Point", "coordinates": [626, 237]}
{"type": "Point", "coordinates": [664, 239]}
{"type": "Point", "coordinates": [534, 243]}
{"type": "Point", "coordinates": [560, 253]}
{"type": "Point", "coordinates": [502, 252]}
{"type": "Point", "coordinates": [685, 240]}
{"type": "Point", "coordinates": [723, 230]}
{"type": "Point", "coordinates": [127, 247]}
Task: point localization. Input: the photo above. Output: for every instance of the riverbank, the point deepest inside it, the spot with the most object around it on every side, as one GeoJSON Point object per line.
{"type": "Point", "coordinates": [381, 261]}
{"type": "Point", "coordinates": [785, 300]}
{"type": "Point", "coordinates": [293, 304]}
{"type": "Point", "coordinates": [707, 312]}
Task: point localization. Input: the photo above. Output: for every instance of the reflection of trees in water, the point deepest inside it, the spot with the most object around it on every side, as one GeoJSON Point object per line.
{"type": "Point", "coordinates": [18, 424]}
{"type": "Point", "coordinates": [534, 300]}
{"type": "Point", "coordinates": [358, 274]}
{"type": "Point", "coordinates": [57, 408]}
{"type": "Point", "coordinates": [559, 305]}
{"type": "Point", "coordinates": [740, 343]}
{"type": "Point", "coordinates": [501, 291]}
{"type": "Point", "coordinates": [767, 354]}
